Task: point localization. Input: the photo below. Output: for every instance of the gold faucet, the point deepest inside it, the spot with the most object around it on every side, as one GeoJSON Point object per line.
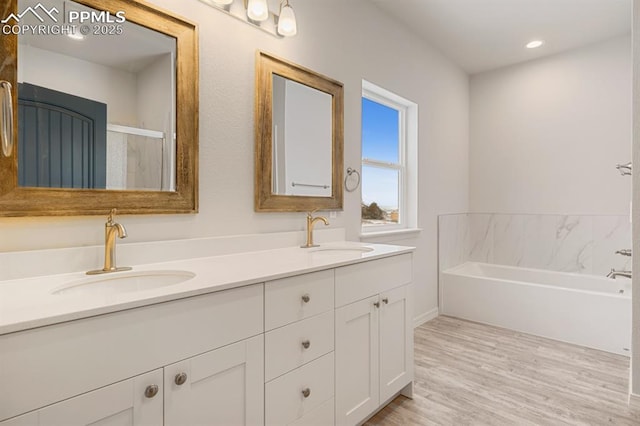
{"type": "Point", "coordinates": [111, 228]}
{"type": "Point", "coordinates": [310, 222]}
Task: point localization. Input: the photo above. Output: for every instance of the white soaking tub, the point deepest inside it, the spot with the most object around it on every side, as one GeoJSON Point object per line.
{"type": "Point", "coordinates": [585, 310]}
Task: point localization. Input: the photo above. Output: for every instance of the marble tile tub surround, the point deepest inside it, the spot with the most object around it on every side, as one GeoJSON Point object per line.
{"type": "Point", "coordinates": [26, 264]}
{"type": "Point", "coordinates": [568, 243]}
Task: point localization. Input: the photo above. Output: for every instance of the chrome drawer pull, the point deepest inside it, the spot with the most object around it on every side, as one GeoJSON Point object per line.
{"type": "Point", "coordinates": [306, 298]}
{"type": "Point", "coordinates": [306, 392]}
{"type": "Point", "coordinates": [151, 391]}
{"type": "Point", "coordinates": [181, 379]}
{"type": "Point", "coordinates": [306, 344]}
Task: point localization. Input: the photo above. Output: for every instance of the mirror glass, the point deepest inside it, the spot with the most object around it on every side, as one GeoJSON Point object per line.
{"type": "Point", "coordinates": [96, 106]}
{"type": "Point", "coordinates": [302, 139]}
{"type": "Point", "coordinates": [299, 138]}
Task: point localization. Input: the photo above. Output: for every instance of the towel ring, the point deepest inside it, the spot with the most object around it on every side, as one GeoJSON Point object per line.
{"type": "Point", "coordinates": [351, 171]}
{"type": "Point", "coordinates": [6, 118]}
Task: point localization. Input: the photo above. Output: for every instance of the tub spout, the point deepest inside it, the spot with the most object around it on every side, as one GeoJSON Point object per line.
{"type": "Point", "coordinates": [614, 274]}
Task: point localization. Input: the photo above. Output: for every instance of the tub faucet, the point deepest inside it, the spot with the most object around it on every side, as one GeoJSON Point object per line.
{"type": "Point", "coordinates": [310, 222]}
{"type": "Point", "coordinates": [624, 252]}
{"type": "Point", "coordinates": [111, 229]}
{"type": "Point", "coordinates": [614, 274]}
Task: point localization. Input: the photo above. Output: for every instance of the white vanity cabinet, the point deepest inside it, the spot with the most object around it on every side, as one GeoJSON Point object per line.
{"type": "Point", "coordinates": [329, 345]}
{"type": "Point", "coordinates": [374, 338]}
{"type": "Point", "coordinates": [92, 371]}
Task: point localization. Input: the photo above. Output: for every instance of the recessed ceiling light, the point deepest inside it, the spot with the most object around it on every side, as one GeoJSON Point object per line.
{"type": "Point", "coordinates": [76, 36]}
{"type": "Point", "coordinates": [534, 44]}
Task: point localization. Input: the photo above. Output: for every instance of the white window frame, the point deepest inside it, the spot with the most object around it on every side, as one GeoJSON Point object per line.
{"type": "Point", "coordinates": [407, 160]}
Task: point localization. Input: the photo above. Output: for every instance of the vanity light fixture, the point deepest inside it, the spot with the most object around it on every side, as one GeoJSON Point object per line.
{"type": "Point", "coordinates": [258, 10]}
{"type": "Point", "coordinates": [534, 44]}
{"type": "Point", "coordinates": [258, 14]}
{"type": "Point", "coordinates": [287, 25]}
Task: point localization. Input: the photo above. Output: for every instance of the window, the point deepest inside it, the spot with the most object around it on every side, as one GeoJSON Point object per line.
{"type": "Point", "coordinates": [389, 161]}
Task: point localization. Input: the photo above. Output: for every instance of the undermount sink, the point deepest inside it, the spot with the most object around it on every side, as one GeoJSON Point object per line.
{"type": "Point", "coordinates": [123, 282]}
{"type": "Point", "coordinates": [338, 250]}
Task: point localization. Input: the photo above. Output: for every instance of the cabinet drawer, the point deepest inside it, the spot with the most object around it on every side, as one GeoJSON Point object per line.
{"type": "Point", "coordinates": [285, 346]}
{"type": "Point", "coordinates": [285, 402]}
{"type": "Point", "coordinates": [292, 299]}
{"type": "Point", "coordinates": [321, 416]}
{"type": "Point", "coordinates": [366, 279]}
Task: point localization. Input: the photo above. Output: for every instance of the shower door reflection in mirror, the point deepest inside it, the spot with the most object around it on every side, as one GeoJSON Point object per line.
{"type": "Point", "coordinates": [96, 111]}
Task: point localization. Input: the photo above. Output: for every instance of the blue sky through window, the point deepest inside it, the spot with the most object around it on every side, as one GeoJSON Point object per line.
{"type": "Point", "coordinates": [379, 132]}
{"type": "Point", "coordinates": [380, 141]}
{"type": "Point", "coordinates": [381, 186]}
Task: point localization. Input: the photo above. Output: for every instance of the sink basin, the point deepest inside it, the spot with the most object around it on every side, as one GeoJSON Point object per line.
{"type": "Point", "coordinates": [341, 250]}
{"type": "Point", "coordinates": [123, 282]}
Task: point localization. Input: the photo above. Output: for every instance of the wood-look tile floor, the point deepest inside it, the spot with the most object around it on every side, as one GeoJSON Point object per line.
{"type": "Point", "coordinates": [473, 374]}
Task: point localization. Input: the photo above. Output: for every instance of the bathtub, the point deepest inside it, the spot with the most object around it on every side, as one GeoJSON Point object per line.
{"type": "Point", "coordinates": [585, 310]}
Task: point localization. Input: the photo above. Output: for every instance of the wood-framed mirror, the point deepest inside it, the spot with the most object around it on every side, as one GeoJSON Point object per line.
{"type": "Point", "coordinates": [105, 119]}
{"type": "Point", "coordinates": [299, 138]}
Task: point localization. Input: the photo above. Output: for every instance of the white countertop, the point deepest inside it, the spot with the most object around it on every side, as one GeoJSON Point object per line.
{"type": "Point", "coordinates": [29, 303]}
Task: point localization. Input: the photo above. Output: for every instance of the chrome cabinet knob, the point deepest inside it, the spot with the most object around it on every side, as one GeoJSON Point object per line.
{"type": "Point", "coordinates": [306, 392]}
{"type": "Point", "coordinates": [181, 379]}
{"type": "Point", "coordinates": [306, 344]}
{"type": "Point", "coordinates": [385, 300]}
{"type": "Point", "coordinates": [306, 298]}
{"type": "Point", "coordinates": [151, 391]}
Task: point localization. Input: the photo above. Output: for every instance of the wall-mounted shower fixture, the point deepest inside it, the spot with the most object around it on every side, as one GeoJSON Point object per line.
{"type": "Point", "coordinates": [624, 169]}
{"type": "Point", "coordinates": [614, 274]}
{"type": "Point", "coordinates": [624, 252]}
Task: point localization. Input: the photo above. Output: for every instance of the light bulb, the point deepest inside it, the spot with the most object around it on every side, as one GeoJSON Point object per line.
{"type": "Point", "coordinates": [258, 10]}
{"type": "Point", "coordinates": [287, 25]}
{"type": "Point", "coordinates": [534, 44]}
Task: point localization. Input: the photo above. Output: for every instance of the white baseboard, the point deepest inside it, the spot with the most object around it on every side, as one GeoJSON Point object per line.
{"type": "Point", "coordinates": [427, 316]}
{"type": "Point", "coordinates": [634, 400]}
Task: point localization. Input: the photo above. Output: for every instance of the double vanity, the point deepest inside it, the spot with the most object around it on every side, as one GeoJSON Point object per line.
{"type": "Point", "coordinates": [276, 334]}
{"type": "Point", "coordinates": [282, 336]}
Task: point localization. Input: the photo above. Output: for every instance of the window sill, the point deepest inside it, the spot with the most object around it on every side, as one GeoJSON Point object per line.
{"type": "Point", "coordinates": [392, 233]}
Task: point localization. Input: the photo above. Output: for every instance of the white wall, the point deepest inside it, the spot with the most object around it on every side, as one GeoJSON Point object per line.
{"type": "Point", "coordinates": [347, 41]}
{"type": "Point", "coordinates": [635, 293]}
{"type": "Point", "coordinates": [546, 135]}
{"type": "Point", "coordinates": [100, 83]}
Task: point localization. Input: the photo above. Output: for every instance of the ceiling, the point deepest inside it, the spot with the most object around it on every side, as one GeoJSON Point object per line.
{"type": "Point", "coordinates": [132, 51]}
{"type": "Point", "coordinates": [480, 35]}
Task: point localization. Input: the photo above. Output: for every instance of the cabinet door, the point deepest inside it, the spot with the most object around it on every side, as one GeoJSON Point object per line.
{"type": "Point", "coordinates": [396, 342]}
{"type": "Point", "coordinates": [121, 404]}
{"type": "Point", "coordinates": [356, 361]}
{"type": "Point", "coordinates": [221, 387]}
